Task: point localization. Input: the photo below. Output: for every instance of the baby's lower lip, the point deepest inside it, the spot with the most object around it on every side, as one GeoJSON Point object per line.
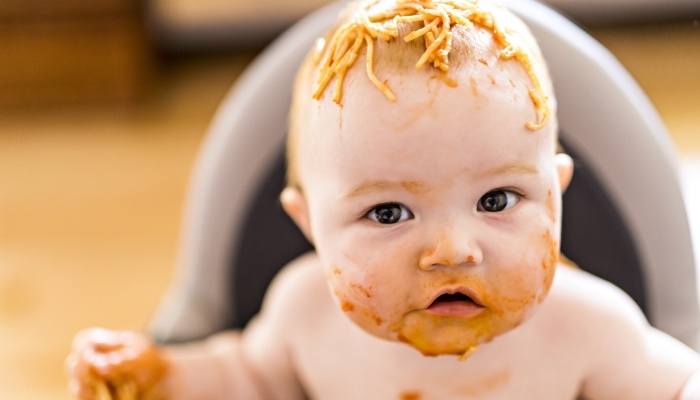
{"type": "Point", "coordinates": [455, 308]}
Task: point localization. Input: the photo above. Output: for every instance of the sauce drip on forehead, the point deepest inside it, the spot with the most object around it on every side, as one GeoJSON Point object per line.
{"type": "Point", "coordinates": [375, 19]}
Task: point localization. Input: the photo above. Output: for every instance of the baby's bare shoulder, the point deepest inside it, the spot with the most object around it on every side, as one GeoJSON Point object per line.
{"type": "Point", "coordinates": [575, 289]}
{"type": "Point", "coordinates": [594, 313]}
{"type": "Point", "coordinates": [621, 354]}
{"type": "Point", "coordinates": [298, 290]}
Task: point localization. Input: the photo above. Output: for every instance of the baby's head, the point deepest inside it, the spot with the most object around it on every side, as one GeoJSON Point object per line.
{"type": "Point", "coordinates": [432, 194]}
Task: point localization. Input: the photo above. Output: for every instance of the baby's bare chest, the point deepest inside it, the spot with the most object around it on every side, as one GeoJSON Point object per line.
{"type": "Point", "coordinates": [341, 362]}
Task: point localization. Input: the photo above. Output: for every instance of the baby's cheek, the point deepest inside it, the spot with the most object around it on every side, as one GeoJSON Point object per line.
{"type": "Point", "coordinates": [521, 288]}
{"type": "Point", "coordinates": [360, 298]}
{"type": "Point", "coordinates": [549, 262]}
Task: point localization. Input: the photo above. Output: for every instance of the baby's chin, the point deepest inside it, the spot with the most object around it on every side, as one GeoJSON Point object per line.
{"type": "Point", "coordinates": [435, 335]}
{"type": "Point", "coordinates": [450, 340]}
{"type": "Point", "coordinates": [429, 341]}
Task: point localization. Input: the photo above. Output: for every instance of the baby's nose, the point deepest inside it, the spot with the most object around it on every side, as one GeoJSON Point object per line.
{"type": "Point", "coordinates": [452, 247]}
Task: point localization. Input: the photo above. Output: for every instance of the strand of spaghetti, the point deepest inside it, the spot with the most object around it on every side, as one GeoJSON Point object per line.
{"type": "Point", "coordinates": [349, 56]}
{"type": "Point", "coordinates": [438, 11]}
{"type": "Point", "coordinates": [539, 98]}
{"type": "Point", "coordinates": [537, 95]}
{"type": "Point", "coordinates": [420, 32]}
{"type": "Point", "coordinates": [326, 70]}
{"type": "Point", "coordinates": [439, 46]}
{"type": "Point", "coordinates": [342, 66]}
{"type": "Point", "coordinates": [429, 51]}
{"type": "Point", "coordinates": [322, 86]}
{"type": "Point", "coordinates": [339, 36]}
{"type": "Point", "coordinates": [434, 29]}
{"type": "Point", "coordinates": [429, 38]}
{"type": "Point", "coordinates": [339, 72]}
{"type": "Point", "coordinates": [341, 47]}
{"type": "Point", "coordinates": [460, 19]}
{"type": "Point", "coordinates": [370, 70]}
{"type": "Point", "coordinates": [418, 8]}
{"type": "Point", "coordinates": [383, 16]}
{"type": "Point", "coordinates": [443, 54]}
{"type": "Point", "coordinates": [412, 18]}
{"type": "Point", "coordinates": [100, 389]}
{"type": "Point", "coordinates": [544, 111]}
{"type": "Point", "coordinates": [459, 4]}
{"type": "Point", "coordinates": [376, 29]}
{"type": "Point", "coordinates": [126, 390]}
{"type": "Point", "coordinates": [330, 48]}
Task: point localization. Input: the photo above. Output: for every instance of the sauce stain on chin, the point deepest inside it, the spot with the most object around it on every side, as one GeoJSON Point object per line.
{"type": "Point", "coordinates": [347, 306]}
{"type": "Point", "coordinates": [410, 396]}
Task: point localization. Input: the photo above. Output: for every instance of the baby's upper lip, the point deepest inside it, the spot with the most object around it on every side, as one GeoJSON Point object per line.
{"type": "Point", "coordinates": [458, 290]}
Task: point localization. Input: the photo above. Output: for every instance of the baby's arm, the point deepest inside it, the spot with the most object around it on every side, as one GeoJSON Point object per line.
{"type": "Point", "coordinates": [691, 391]}
{"type": "Point", "coordinates": [126, 365]}
{"type": "Point", "coordinates": [215, 368]}
{"type": "Point", "coordinates": [253, 364]}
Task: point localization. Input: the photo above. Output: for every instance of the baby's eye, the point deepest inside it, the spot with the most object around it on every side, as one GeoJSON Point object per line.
{"type": "Point", "coordinates": [497, 200]}
{"type": "Point", "coordinates": [389, 213]}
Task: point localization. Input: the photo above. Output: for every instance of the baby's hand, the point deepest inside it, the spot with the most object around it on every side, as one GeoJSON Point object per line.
{"type": "Point", "coordinates": [109, 365]}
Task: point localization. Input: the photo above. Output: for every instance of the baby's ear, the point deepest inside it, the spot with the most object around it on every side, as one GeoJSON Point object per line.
{"type": "Point", "coordinates": [565, 169]}
{"type": "Point", "coordinates": [294, 203]}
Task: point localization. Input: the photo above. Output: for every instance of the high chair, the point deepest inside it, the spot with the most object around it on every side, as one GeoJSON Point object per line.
{"type": "Point", "coordinates": [624, 218]}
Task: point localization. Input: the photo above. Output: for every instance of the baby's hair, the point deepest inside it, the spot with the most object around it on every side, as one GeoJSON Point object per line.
{"type": "Point", "coordinates": [436, 19]}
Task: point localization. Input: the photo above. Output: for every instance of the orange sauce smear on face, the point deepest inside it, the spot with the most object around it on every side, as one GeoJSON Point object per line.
{"type": "Point", "coordinates": [347, 306]}
{"type": "Point", "coordinates": [410, 396]}
{"type": "Point", "coordinates": [364, 291]}
{"type": "Point", "coordinates": [459, 338]}
{"type": "Point", "coordinates": [504, 312]}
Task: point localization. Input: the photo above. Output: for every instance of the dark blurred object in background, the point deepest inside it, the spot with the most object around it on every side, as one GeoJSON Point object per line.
{"type": "Point", "coordinates": [106, 51]}
{"type": "Point", "coordinates": [597, 13]}
{"type": "Point", "coordinates": [194, 25]}
{"type": "Point", "coordinates": [72, 51]}
{"type": "Point", "coordinates": [206, 25]}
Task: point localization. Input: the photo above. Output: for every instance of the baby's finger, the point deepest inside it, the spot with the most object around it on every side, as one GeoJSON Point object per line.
{"type": "Point", "coordinates": [80, 391]}
{"type": "Point", "coordinates": [104, 340]}
{"type": "Point", "coordinates": [76, 368]}
{"type": "Point", "coordinates": [100, 363]}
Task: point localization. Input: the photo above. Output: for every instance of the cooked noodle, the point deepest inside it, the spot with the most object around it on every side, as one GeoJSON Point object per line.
{"type": "Point", "coordinates": [121, 389]}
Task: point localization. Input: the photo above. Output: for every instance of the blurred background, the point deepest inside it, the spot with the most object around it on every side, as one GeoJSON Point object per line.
{"type": "Point", "coordinates": [103, 105]}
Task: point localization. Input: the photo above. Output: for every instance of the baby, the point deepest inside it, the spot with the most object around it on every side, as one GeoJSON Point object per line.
{"type": "Point", "coordinates": [423, 168]}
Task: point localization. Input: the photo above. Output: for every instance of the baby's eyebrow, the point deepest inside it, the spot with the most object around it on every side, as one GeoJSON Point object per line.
{"type": "Point", "coordinates": [413, 187]}
{"type": "Point", "coordinates": [510, 168]}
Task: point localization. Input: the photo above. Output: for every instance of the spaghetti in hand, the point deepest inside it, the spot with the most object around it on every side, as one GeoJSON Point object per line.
{"type": "Point", "coordinates": [107, 365]}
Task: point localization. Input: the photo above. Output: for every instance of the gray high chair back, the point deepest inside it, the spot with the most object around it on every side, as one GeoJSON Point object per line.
{"type": "Point", "coordinates": [624, 217]}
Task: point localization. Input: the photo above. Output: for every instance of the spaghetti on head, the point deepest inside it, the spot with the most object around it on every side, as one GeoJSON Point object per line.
{"type": "Point", "coordinates": [391, 37]}
{"type": "Point", "coordinates": [376, 20]}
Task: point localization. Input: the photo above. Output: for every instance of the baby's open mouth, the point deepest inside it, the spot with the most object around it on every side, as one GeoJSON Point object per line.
{"type": "Point", "coordinates": [455, 304]}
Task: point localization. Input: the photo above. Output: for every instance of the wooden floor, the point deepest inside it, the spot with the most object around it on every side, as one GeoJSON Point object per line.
{"type": "Point", "coordinates": [91, 197]}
